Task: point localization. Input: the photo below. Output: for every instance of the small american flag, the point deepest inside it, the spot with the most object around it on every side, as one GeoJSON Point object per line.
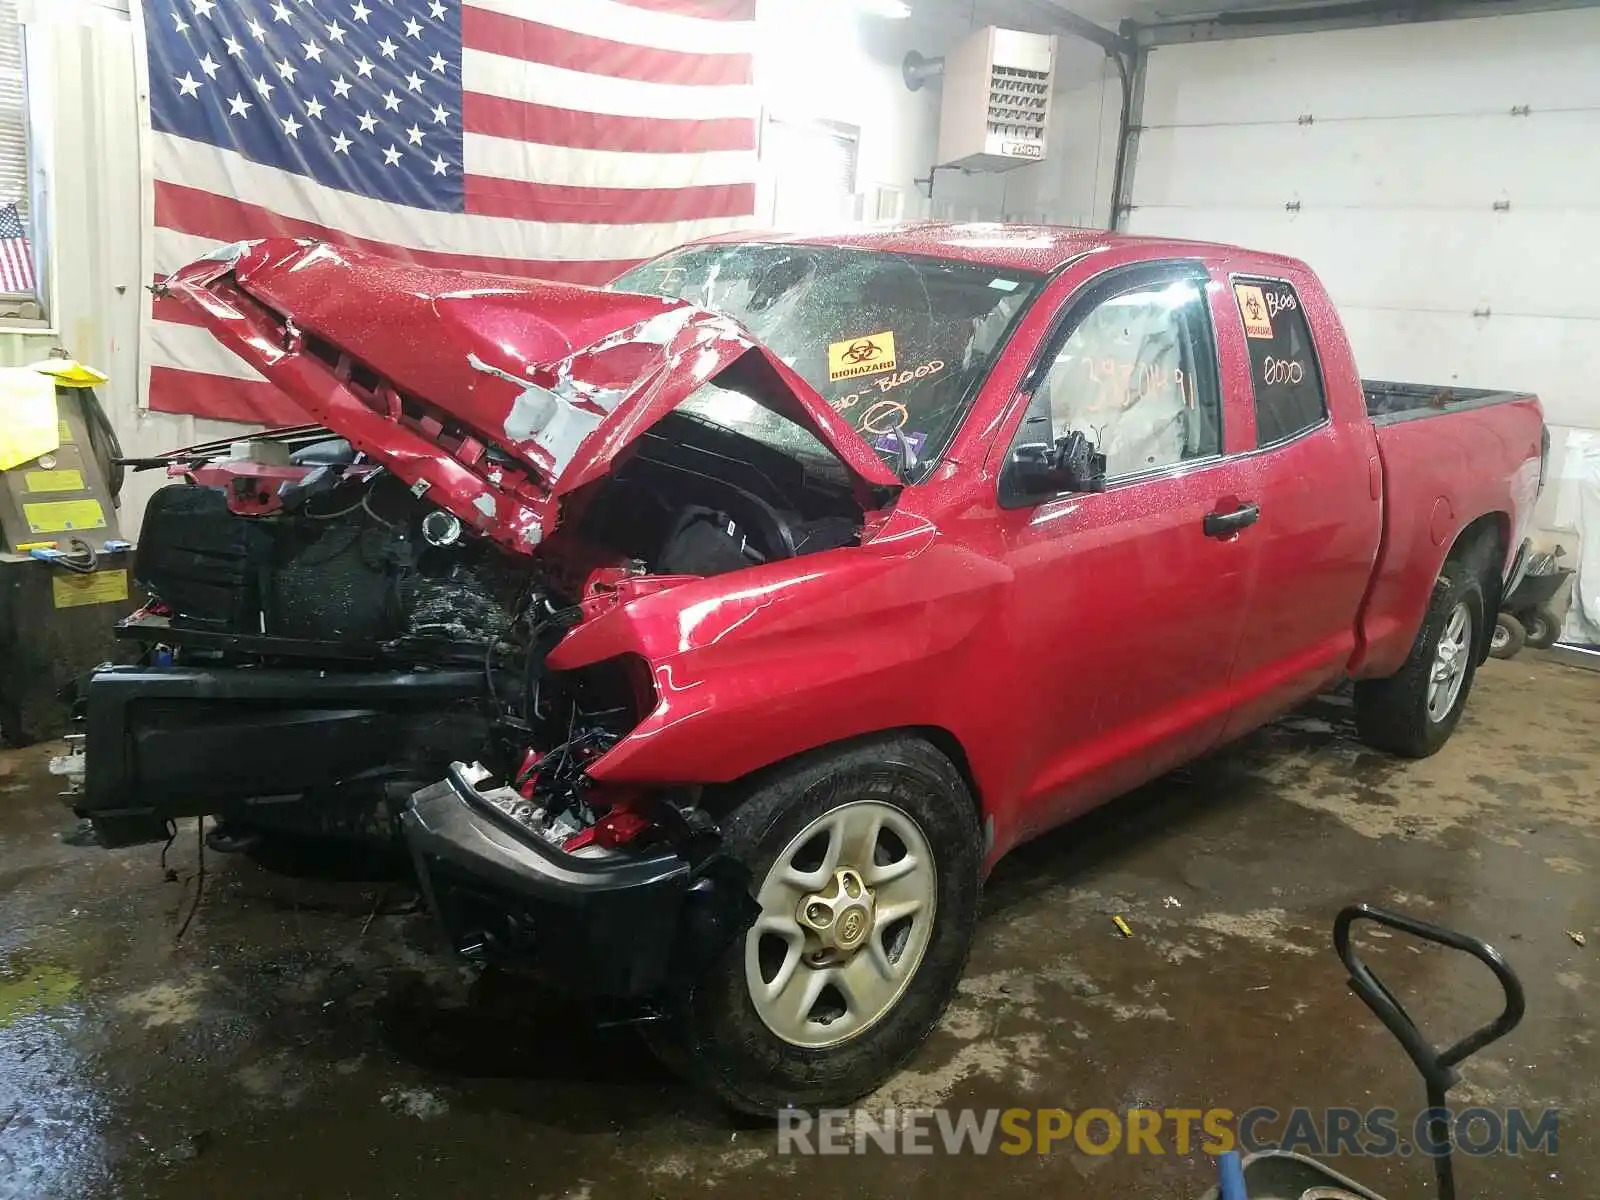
{"type": "Point", "coordinates": [16, 254]}
{"type": "Point", "coordinates": [561, 139]}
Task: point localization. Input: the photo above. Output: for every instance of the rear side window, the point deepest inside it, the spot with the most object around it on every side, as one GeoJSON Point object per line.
{"type": "Point", "coordinates": [1283, 363]}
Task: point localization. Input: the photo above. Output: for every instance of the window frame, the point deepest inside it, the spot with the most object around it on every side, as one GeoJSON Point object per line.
{"type": "Point", "coordinates": [1113, 283]}
{"type": "Point", "coordinates": [34, 223]}
{"type": "Point", "coordinates": [1249, 278]}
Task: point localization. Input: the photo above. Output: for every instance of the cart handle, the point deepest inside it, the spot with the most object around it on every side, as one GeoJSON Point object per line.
{"type": "Point", "coordinates": [1436, 1066]}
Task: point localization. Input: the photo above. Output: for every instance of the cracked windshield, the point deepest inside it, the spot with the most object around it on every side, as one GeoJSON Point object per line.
{"type": "Point", "coordinates": [897, 344]}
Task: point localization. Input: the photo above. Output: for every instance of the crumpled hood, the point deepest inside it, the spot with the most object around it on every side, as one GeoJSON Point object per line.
{"type": "Point", "coordinates": [494, 396]}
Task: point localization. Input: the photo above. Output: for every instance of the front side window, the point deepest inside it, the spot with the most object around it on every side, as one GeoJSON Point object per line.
{"type": "Point", "coordinates": [897, 344]}
{"type": "Point", "coordinates": [1283, 364]}
{"type": "Point", "coordinates": [1137, 376]}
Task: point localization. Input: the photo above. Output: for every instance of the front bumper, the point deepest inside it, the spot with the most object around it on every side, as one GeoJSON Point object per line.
{"type": "Point", "coordinates": [618, 926]}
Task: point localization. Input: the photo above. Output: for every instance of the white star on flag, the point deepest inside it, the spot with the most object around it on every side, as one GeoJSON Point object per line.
{"type": "Point", "coordinates": [363, 67]}
{"type": "Point", "coordinates": [440, 166]}
{"type": "Point", "coordinates": [414, 136]}
{"type": "Point", "coordinates": [239, 106]}
{"type": "Point", "coordinates": [313, 52]}
{"type": "Point", "coordinates": [291, 126]}
{"type": "Point", "coordinates": [413, 82]}
{"type": "Point", "coordinates": [360, 11]}
{"type": "Point", "coordinates": [232, 46]}
{"type": "Point", "coordinates": [187, 85]}
{"type": "Point", "coordinates": [202, 8]}
{"type": "Point", "coordinates": [210, 66]}
{"type": "Point", "coordinates": [280, 11]}
{"type": "Point", "coordinates": [368, 122]}
{"type": "Point", "coordinates": [436, 10]}
{"type": "Point", "coordinates": [413, 30]}
{"type": "Point", "coordinates": [391, 102]}
{"type": "Point", "coordinates": [335, 32]}
{"type": "Point", "coordinates": [341, 87]}
{"type": "Point", "coordinates": [391, 156]}
{"type": "Point", "coordinates": [441, 114]}
{"type": "Point", "coordinates": [286, 70]}
{"type": "Point", "coordinates": [341, 144]}
{"type": "Point", "coordinates": [387, 48]}
{"type": "Point", "coordinates": [314, 108]}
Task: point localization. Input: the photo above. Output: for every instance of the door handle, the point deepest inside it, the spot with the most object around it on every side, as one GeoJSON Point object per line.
{"type": "Point", "coordinates": [1226, 524]}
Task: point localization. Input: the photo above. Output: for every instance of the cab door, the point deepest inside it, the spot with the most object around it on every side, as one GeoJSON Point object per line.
{"type": "Point", "coordinates": [1127, 605]}
{"type": "Point", "coordinates": [1319, 491]}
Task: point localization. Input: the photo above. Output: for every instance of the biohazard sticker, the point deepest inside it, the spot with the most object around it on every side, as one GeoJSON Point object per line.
{"type": "Point", "coordinates": [1253, 308]}
{"type": "Point", "coordinates": [866, 355]}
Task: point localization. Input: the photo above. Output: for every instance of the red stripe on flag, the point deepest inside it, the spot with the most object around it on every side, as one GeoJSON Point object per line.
{"type": "Point", "coordinates": [549, 126]}
{"type": "Point", "coordinates": [500, 33]}
{"type": "Point", "coordinates": [204, 214]}
{"type": "Point", "coordinates": [220, 398]}
{"type": "Point", "coordinates": [714, 10]}
{"type": "Point", "coordinates": [16, 266]}
{"type": "Point", "coordinates": [165, 308]}
{"type": "Point", "coordinates": [489, 197]}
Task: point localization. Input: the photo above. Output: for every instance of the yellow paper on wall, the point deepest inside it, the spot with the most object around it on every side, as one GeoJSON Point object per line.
{"type": "Point", "coordinates": [28, 422]}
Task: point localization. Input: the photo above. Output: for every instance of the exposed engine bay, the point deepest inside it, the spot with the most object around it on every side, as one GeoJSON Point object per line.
{"type": "Point", "coordinates": [293, 549]}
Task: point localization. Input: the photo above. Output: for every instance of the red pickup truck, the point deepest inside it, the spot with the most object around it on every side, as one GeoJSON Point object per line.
{"type": "Point", "coordinates": [706, 639]}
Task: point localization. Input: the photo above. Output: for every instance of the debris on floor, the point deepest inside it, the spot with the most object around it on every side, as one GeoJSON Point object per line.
{"type": "Point", "coordinates": [416, 1102]}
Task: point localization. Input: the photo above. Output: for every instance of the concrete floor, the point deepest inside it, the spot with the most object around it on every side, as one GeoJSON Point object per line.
{"type": "Point", "coordinates": [289, 1046]}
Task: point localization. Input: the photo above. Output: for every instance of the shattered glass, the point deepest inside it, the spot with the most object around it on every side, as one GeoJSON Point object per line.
{"type": "Point", "coordinates": [893, 342]}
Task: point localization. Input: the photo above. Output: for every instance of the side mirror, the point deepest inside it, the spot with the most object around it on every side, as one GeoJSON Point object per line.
{"type": "Point", "coordinates": [1070, 464]}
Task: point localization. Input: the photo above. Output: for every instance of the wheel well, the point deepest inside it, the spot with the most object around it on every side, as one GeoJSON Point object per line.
{"type": "Point", "coordinates": [720, 798]}
{"type": "Point", "coordinates": [947, 744]}
{"type": "Point", "coordinates": [1482, 547]}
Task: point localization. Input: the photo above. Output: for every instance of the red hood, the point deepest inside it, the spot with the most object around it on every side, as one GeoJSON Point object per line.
{"type": "Point", "coordinates": [430, 371]}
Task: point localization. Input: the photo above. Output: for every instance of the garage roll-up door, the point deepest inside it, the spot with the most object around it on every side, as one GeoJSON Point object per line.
{"type": "Point", "coordinates": [1443, 178]}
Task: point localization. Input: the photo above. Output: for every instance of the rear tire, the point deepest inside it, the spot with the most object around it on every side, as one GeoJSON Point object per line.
{"type": "Point", "coordinates": [1544, 630]}
{"type": "Point", "coordinates": [1508, 637]}
{"type": "Point", "coordinates": [1405, 714]}
{"type": "Point", "coordinates": [723, 1039]}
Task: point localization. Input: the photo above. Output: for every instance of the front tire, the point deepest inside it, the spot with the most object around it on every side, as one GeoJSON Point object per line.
{"type": "Point", "coordinates": [1414, 711]}
{"type": "Point", "coordinates": [866, 863]}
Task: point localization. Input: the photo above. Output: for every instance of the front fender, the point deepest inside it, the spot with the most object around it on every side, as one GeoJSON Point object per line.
{"type": "Point", "coordinates": [759, 665]}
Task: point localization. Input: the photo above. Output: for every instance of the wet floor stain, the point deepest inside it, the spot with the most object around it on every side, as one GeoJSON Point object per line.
{"type": "Point", "coordinates": [34, 990]}
{"type": "Point", "coordinates": [308, 1038]}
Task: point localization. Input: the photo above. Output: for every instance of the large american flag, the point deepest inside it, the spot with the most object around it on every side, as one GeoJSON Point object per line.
{"type": "Point", "coordinates": [562, 139]}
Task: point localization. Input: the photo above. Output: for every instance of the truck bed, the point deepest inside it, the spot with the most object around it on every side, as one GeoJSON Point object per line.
{"type": "Point", "coordinates": [1389, 403]}
{"type": "Point", "coordinates": [1429, 491]}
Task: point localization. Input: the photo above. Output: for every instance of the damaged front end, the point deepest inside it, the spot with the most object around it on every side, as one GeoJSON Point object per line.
{"type": "Point", "coordinates": [512, 885]}
{"type": "Point", "coordinates": [534, 865]}
{"type": "Point", "coordinates": [353, 624]}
